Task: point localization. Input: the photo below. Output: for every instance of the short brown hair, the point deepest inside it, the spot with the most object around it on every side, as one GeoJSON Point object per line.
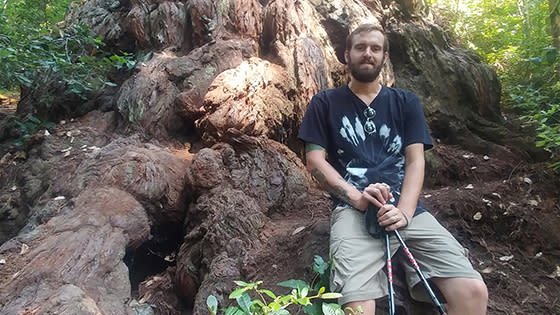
{"type": "Point", "coordinates": [367, 28]}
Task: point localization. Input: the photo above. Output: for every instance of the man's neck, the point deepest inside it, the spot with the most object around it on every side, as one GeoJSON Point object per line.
{"type": "Point", "coordinates": [366, 91]}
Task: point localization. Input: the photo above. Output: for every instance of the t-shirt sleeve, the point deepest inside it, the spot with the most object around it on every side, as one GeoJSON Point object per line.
{"type": "Point", "coordinates": [415, 127]}
{"type": "Point", "coordinates": [313, 128]}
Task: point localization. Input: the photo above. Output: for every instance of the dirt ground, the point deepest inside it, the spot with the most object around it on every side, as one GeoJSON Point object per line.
{"type": "Point", "coordinates": [504, 211]}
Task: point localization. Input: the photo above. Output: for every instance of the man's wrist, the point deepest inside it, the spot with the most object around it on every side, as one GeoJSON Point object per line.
{"type": "Point", "coordinates": [407, 214]}
{"type": "Point", "coordinates": [406, 218]}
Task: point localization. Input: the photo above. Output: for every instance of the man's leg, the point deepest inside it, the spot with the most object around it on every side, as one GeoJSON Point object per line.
{"type": "Point", "coordinates": [357, 261]}
{"type": "Point", "coordinates": [443, 260]}
{"type": "Point", "coordinates": [367, 307]}
{"type": "Point", "coordinates": [463, 295]}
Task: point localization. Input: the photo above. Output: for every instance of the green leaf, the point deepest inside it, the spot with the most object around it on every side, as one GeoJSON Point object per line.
{"type": "Point", "coordinates": [240, 283]}
{"type": "Point", "coordinates": [294, 284]}
{"type": "Point", "coordinates": [332, 309]}
{"type": "Point", "coordinates": [536, 60]}
{"type": "Point", "coordinates": [280, 312]}
{"type": "Point", "coordinates": [34, 119]}
{"type": "Point", "coordinates": [244, 302]}
{"type": "Point", "coordinates": [237, 293]}
{"type": "Point", "coordinates": [267, 292]}
{"type": "Point", "coordinates": [212, 304]}
{"type": "Point", "coordinates": [304, 292]}
{"type": "Point", "coordinates": [330, 295]}
{"type": "Point", "coordinates": [303, 301]}
{"type": "Point", "coordinates": [234, 310]}
{"type": "Point", "coordinates": [274, 305]}
{"type": "Point", "coordinates": [313, 309]}
{"type": "Point", "coordinates": [319, 265]}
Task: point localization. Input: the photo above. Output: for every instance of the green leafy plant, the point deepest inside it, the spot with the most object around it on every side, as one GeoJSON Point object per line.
{"type": "Point", "coordinates": [72, 56]}
{"type": "Point", "coordinates": [35, 53]}
{"type": "Point", "coordinates": [311, 298]}
{"type": "Point", "coordinates": [269, 303]}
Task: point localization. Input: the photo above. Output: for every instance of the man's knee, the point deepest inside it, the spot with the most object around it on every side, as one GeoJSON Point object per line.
{"type": "Point", "coordinates": [477, 290]}
{"type": "Point", "coordinates": [463, 290]}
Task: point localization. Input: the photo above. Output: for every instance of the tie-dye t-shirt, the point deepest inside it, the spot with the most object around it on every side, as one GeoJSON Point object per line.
{"type": "Point", "coordinates": [335, 120]}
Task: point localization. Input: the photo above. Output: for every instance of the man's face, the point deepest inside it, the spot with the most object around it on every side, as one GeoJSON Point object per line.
{"type": "Point", "coordinates": [366, 56]}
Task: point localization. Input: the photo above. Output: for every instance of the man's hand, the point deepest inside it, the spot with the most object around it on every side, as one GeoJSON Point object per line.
{"type": "Point", "coordinates": [391, 218]}
{"type": "Point", "coordinates": [377, 194]}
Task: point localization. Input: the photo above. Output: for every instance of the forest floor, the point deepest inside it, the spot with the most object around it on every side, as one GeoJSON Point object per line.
{"type": "Point", "coordinates": [506, 212]}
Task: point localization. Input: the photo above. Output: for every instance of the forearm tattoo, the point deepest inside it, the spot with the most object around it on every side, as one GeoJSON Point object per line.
{"type": "Point", "coordinates": [337, 190]}
{"type": "Point", "coordinates": [311, 147]}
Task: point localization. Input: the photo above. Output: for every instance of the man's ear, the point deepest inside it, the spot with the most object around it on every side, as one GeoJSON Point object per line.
{"type": "Point", "coordinates": [346, 56]}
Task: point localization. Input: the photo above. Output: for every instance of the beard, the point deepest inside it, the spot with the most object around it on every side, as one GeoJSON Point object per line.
{"type": "Point", "coordinates": [364, 75]}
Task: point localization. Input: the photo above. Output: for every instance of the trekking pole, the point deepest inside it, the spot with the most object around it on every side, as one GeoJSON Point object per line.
{"type": "Point", "coordinates": [420, 274]}
{"type": "Point", "coordinates": [390, 276]}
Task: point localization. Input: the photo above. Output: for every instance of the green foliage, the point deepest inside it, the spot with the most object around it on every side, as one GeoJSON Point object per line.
{"type": "Point", "coordinates": [34, 51]}
{"type": "Point", "coordinates": [24, 127]}
{"type": "Point", "coordinates": [311, 298]}
{"type": "Point", "coordinates": [72, 56]}
{"type": "Point", "coordinates": [513, 36]}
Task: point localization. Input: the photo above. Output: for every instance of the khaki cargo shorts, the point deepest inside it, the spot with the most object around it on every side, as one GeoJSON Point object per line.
{"type": "Point", "coordinates": [357, 258]}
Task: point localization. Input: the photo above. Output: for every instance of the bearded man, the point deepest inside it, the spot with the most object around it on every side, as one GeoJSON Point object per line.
{"type": "Point", "coordinates": [365, 144]}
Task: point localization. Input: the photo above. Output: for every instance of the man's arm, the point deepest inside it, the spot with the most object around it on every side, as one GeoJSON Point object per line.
{"type": "Point", "coordinates": [392, 217]}
{"type": "Point", "coordinates": [413, 179]}
{"type": "Point", "coordinates": [330, 179]}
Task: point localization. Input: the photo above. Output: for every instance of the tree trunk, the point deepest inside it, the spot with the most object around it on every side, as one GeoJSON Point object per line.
{"type": "Point", "coordinates": [554, 8]}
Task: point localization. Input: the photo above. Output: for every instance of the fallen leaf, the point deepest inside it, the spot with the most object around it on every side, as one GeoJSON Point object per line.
{"type": "Point", "coordinates": [20, 155]}
{"type": "Point", "coordinates": [170, 258]}
{"type": "Point", "coordinates": [299, 229]}
{"type": "Point", "coordinates": [59, 198]}
{"type": "Point", "coordinates": [538, 255]}
{"type": "Point", "coordinates": [469, 186]}
{"type": "Point", "coordinates": [528, 180]}
{"type": "Point", "coordinates": [427, 196]}
{"type": "Point", "coordinates": [468, 156]}
{"type": "Point", "coordinates": [14, 188]}
{"type": "Point", "coordinates": [16, 274]}
{"type": "Point", "coordinates": [2, 261]}
{"type": "Point", "coordinates": [506, 258]}
{"type": "Point", "coordinates": [555, 273]}
{"type": "Point", "coordinates": [533, 203]}
{"type": "Point", "coordinates": [488, 270]}
{"type": "Point", "coordinates": [47, 133]}
{"type": "Point", "coordinates": [497, 195]}
{"type": "Point", "coordinates": [24, 249]}
{"type": "Point", "coordinates": [486, 157]}
{"type": "Point", "coordinates": [473, 168]}
{"type": "Point", "coordinates": [477, 216]}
